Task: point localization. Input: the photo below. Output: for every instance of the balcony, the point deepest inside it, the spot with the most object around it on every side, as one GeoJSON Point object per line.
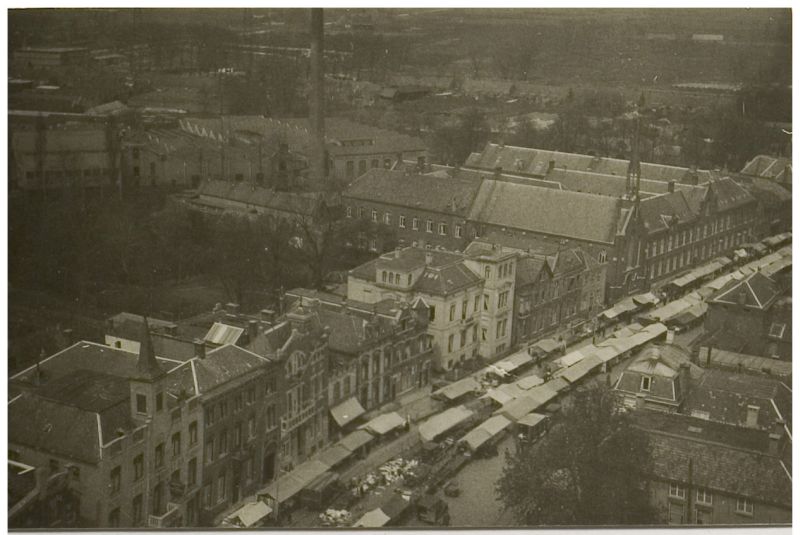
{"type": "Point", "coordinates": [170, 519]}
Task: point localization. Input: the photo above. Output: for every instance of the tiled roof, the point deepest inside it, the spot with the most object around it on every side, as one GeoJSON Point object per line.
{"type": "Point", "coordinates": [725, 395]}
{"type": "Point", "coordinates": [658, 212]}
{"type": "Point", "coordinates": [225, 364]}
{"type": "Point", "coordinates": [88, 356]}
{"type": "Point", "coordinates": [249, 194]}
{"type": "Point", "coordinates": [769, 167]}
{"type": "Point", "coordinates": [52, 427]}
{"type": "Point", "coordinates": [347, 332]}
{"type": "Point", "coordinates": [447, 195]}
{"type": "Point", "coordinates": [528, 270]}
{"type": "Point", "coordinates": [728, 193]}
{"type": "Point", "coordinates": [445, 280]}
{"type": "Point", "coordinates": [559, 213]}
{"type": "Point", "coordinates": [536, 162]}
{"type": "Point", "coordinates": [756, 291]}
{"type": "Point", "coordinates": [719, 468]}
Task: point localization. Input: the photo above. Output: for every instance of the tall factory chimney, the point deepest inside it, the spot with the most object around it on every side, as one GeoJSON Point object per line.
{"type": "Point", "coordinates": [317, 104]}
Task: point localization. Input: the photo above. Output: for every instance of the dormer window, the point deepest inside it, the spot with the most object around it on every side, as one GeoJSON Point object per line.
{"type": "Point", "coordinates": [141, 403]}
{"type": "Point", "coordinates": [646, 382]}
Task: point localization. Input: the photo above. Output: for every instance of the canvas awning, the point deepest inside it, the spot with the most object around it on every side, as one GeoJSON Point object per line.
{"type": "Point", "coordinates": [575, 373]}
{"type": "Point", "coordinates": [557, 384]}
{"type": "Point", "coordinates": [356, 439]}
{"type": "Point", "coordinates": [441, 423]}
{"type": "Point", "coordinates": [683, 281]}
{"type": "Point", "coordinates": [347, 411]}
{"type": "Point", "coordinates": [606, 354]}
{"type": "Point", "coordinates": [529, 382]}
{"type": "Point", "coordinates": [484, 432]}
{"type": "Point", "coordinates": [532, 420]}
{"type": "Point", "coordinates": [724, 261]}
{"type": "Point", "coordinates": [249, 514]}
{"type": "Point", "coordinates": [740, 253]}
{"type": "Point", "coordinates": [290, 484]}
{"type": "Point", "coordinates": [533, 399]}
{"type": "Point", "coordinates": [334, 455]}
{"type": "Point", "coordinates": [648, 298]}
{"type": "Point", "coordinates": [548, 345]}
{"type": "Point", "coordinates": [499, 396]}
{"type": "Point", "coordinates": [384, 423]}
{"type": "Point", "coordinates": [569, 359]}
{"type": "Point", "coordinates": [760, 248]}
{"type": "Point", "coordinates": [515, 361]}
{"type": "Point", "coordinates": [372, 519]}
{"type": "Point", "coordinates": [459, 388]}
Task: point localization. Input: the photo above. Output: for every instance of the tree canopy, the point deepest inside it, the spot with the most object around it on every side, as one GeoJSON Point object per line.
{"type": "Point", "coordinates": [586, 471]}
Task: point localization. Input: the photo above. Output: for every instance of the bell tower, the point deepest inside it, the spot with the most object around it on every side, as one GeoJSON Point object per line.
{"type": "Point", "coordinates": [147, 389]}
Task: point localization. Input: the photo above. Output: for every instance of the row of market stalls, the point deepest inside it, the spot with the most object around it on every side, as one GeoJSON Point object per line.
{"type": "Point", "coordinates": [691, 308]}
{"type": "Point", "coordinates": [309, 482]}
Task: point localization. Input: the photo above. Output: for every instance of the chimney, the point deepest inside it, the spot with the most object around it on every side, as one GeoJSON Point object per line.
{"type": "Point", "coordinates": [199, 348]}
{"type": "Point", "coordinates": [752, 416]}
{"type": "Point", "coordinates": [774, 444]}
{"type": "Point", "coordinates": [779, 427]}
{"type": "Point", "coordinates": [252, 330]}
{"type": "Point", "coordinates": [317, 94]}
{"type": "Point", "coordinates": [671, 186]}
{"type": "Point", "coordinates": [299, 319]}
{"type": "Point", "coordinates": [497, 172]}
{"type": "Point", "coordinates": [69, 338]}
{"type": "Point", "coordinates": [428, 258]}
{"type": "Point", "coordinates": [397, 252]}
{"type": "Point", "coordinates": [232, 308]}
{"type": "Point", "coordinates": [267, 314]}
{"type": "Point", "coordinates": [551, 165]}
{"type": "Point", "coordinates": [684, 374]}
{"type": "Point", "coordinates": [670, 336]}
{"type": "Point", "coordinates": [640, 398]}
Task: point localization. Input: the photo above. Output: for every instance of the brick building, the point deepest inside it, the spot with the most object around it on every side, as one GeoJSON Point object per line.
{"type": "Point", "coordinates": [118, 424]}
{"type": "Point", "coordinates": [378, 352]}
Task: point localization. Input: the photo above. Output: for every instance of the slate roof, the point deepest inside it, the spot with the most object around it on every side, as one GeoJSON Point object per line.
{"type": "Point", "coordinates": [431, 193]}
{"type": "Point", "coordinates": [657, 212]}
{"type": "Point", "coordinates": [662, 364]}
{"type": "Point", "coordinates": [725, 395]}
{"type": "Point", "coordinates": [225, 364]}
{"type": "Point", "coordinates": [756, 292]}
{"type": "Point", "coordinates": [528, 270]}
{"type": "Point", "coordinates": [536, 162]}
{"type": "Point", "coordinates": [722, 469]}
{"type": "Point", "coordinates": [762, 165]}
{"type": "Point", "coordinates": [88, 356]}
{"type": "Point", "coordinates": [567, 214]}
{"type": "Point", "coordinates": [445, 274]}
{"type": "Point", "coordinates": [728, 193]}
{"type": "Point", "coordinates": [249, 194]}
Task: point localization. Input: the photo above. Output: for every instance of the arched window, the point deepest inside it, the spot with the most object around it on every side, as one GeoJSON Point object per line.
{"type": "Point", "coordinates": [602, 256]}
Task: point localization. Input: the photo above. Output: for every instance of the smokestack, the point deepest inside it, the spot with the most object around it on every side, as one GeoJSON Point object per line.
{"type": "Point", "coordinates": [317, 104]}
{"type": "Point", "coordinates": [670, 336]}
{"type": "Point", "coordinates": [199, 349]}
{"type": "Point", "coordinates": [252, 330]}
{"type": "Point", "coordinates": [752, 416]}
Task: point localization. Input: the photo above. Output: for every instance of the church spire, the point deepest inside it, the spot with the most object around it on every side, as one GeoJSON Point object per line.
{"type": "Point", "coordinates": [147, 367]}
{"type": "Point", "coordinates": [634, 166]}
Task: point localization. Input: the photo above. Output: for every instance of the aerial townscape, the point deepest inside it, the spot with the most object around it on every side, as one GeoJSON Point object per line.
{"type": "Point", "coordinates": [411, 268]}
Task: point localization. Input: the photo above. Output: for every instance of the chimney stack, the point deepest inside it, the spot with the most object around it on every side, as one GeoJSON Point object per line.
{"type": "Point", "coordinates": [752, 416]}
{"type": "Point", "coordinates": [779, 427]}
{"type": "Point", "coordinates": [670, 336]}
{"type": "Point", "coordinates": [684, 374]}
{"type": "Point", "coordinates": [497, 172]}
{"type": "Point", "coordinates": [267, 315]}
{"type": "Point", "coordinates": [317, 94]}
{"type": "Point", "coordinates": [199, 348]}
{"type": "Point", "coordinates": [671, 186]}
{"type": "Point", "coordinates": [550, 166]}
{"type": "Point", "coordinates": [640, 399]}
{"type": "Point", "coordinates": [233, 308]}
{"type": "Point", "coordinates": [397, 252]}
{"type": "Point", "coordinates": [428, 258]}
{"type": "Point", "coordinates": [252, 330]}
{"type": "Point", "coordinates": [69, 338]}
{"type": "Point", "coordinates": [774, 444]}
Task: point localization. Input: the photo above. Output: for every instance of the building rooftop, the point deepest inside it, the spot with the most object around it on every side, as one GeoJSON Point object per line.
{"type": "Point", "coordinates": [755, 292]}
{"type": "Point", "coordinates": [567, 214]}
{"type": "Point", "coordinates": [433, 193]}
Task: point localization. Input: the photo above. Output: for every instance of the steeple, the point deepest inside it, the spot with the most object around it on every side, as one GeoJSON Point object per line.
{"type": "Point", "coordinates": [147, 368]}
{"type": "Point", "coordinates": [634, 167]}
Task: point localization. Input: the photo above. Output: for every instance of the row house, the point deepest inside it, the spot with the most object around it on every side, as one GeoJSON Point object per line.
{"type": "Point", "coordinates": [116, 424]}
{"type": "Point", "coordinates": [681, 230]}
{"type": "Point", "coordinates": [240, 417]}
{"type": "Point", "coordinates": [378, 352]}
{"type": "Point", "coordinates": [465, 319]}
{"type": "Point", "coordinates": [299, 348]}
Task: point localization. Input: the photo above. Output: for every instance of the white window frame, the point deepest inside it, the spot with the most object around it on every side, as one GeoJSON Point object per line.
{"type": "Point", "coordinates": [704, 497]}
{"type": "Point", "coordinates": [677, 491]}
{"type": "Point", "coordinates": [349, 211]}
{"type": "Point", "coordinates": [649, 383]}
{"type": "Point", "coordinates": [442, 229]}
{"type": "Point", "coordinates": [458, 231]}
{"type": "Point", "coordinates": [401, 221]}
{"type": "Point", "coordinates": [415, 224]}
{"type": "Point", "coordinates": [744, 506]}
{"type": "Point", "coordinates": [387, 218]}
{"type": "Point", "coordinates": [374, 216]}
{"type": "Point", "coordinates": [429, 226]}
